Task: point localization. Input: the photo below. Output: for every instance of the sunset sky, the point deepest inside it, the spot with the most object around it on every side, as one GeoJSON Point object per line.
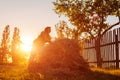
{"type": "Point", "coordinates": [30, 16]}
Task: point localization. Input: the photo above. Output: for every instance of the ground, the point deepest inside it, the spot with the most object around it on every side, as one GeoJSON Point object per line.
{"type": "Point", "coordinates": [11, 72]}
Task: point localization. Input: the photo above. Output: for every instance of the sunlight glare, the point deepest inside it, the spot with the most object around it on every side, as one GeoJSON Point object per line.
{"type": "Point", "coordinates": [26, 47]}
{"type": "Point", "coordinates": [27, 44]}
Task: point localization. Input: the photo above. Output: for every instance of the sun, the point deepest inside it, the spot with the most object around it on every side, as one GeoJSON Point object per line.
{"type": "Point", "coordinates": [26, 47]}
{"type": "Point", "coordinates": [26, 44]}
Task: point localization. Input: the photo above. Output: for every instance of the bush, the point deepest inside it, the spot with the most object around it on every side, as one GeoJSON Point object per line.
{"type": "Point", "coordinates": [59, 58]}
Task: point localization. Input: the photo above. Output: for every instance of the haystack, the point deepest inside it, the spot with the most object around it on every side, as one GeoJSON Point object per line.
{"type": "Point", "coordinates": [61, 57]}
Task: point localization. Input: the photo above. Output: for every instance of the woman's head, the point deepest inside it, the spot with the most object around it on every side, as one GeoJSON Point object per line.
{"type": "Point", "coordinates": [48, 29]}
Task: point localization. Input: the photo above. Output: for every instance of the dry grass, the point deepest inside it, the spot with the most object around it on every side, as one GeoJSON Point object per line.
{"type": "Point", "coordinates": [21, 73]}
{"type": "Point", "coordinates": [59, 58]}
{"type": "Point", "coordinates": [112, 72]}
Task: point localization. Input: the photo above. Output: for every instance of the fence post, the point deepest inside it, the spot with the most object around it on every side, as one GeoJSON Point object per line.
{"type": "Point", "coordinates": [117, 51]}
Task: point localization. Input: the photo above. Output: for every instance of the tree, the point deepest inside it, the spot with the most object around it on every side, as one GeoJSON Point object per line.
{"type": "Point", "coordinates": [5, 44]}
{"type": "Point", "coordinates": [16, 45]}
{"type": "Point", "coordinates": [65, 31]}
{"type": "Point", "coordinates": [90, 17]}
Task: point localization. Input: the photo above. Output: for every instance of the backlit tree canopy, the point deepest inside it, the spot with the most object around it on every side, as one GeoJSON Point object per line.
{"type": "Point", "coordinates": [89, 16]}
{"type": "Point", "coordinates": [16, 46]}
{"type": "Point", "coordinates": [64, 31]}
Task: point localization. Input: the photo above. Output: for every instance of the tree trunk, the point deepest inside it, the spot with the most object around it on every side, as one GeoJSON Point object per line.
{"type": "Point", "coordinates": [98, 53]}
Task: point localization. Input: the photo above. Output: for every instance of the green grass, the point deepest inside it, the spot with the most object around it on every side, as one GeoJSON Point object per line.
{"type": "Point", "coordinates": [21, 73]}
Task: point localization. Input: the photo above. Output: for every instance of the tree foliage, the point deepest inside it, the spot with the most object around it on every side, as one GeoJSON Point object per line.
{"type": "Point", "coordinates": [16, 39]}
{"type": "Point", "coordinates": [5, 37]}
{"type": "Point", "coordinates": [65, 31]}
{"type": "Point", "coordinates": [10, 51]}
{"type": "Point", "coordinates": [16, 45]}
{"type": "Point", "coordinates": [5, 44]}
{"type": "Point", "coordinates": [89, 16]}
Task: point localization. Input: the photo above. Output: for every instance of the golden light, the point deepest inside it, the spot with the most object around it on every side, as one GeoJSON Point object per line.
{"type": "Point", "coordinates": [26, 44]}
{"type": "Point", "coordinates": [26, 47]}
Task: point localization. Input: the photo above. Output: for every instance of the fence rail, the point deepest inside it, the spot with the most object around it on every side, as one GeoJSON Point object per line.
{"type": "Point", "coordinates": [109, 48]}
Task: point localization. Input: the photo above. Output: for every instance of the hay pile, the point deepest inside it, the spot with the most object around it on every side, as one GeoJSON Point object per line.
{"type": "Point", "coordinates": [61, 57]}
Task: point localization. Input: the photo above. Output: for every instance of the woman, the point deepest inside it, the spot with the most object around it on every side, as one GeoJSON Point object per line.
{"type": "Point", "coordinates": [38, 43]}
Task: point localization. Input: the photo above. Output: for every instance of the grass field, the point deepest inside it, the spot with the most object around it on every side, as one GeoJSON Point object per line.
{"type": "Point", "coordinates": [10, 72]}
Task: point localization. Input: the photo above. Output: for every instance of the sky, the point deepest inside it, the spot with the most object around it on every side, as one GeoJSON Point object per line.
{"type": "Point", "coordinates": [30, 16]}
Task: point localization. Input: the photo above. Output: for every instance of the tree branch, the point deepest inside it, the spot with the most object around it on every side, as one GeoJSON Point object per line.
{"type": "Point", "coordinates": [110, 28]}
{"type": "Point", "coordinates": [91, 35]}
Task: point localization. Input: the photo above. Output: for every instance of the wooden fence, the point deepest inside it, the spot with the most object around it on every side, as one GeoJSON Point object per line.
{"type": "Point", "coordinates": [109, 48]}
